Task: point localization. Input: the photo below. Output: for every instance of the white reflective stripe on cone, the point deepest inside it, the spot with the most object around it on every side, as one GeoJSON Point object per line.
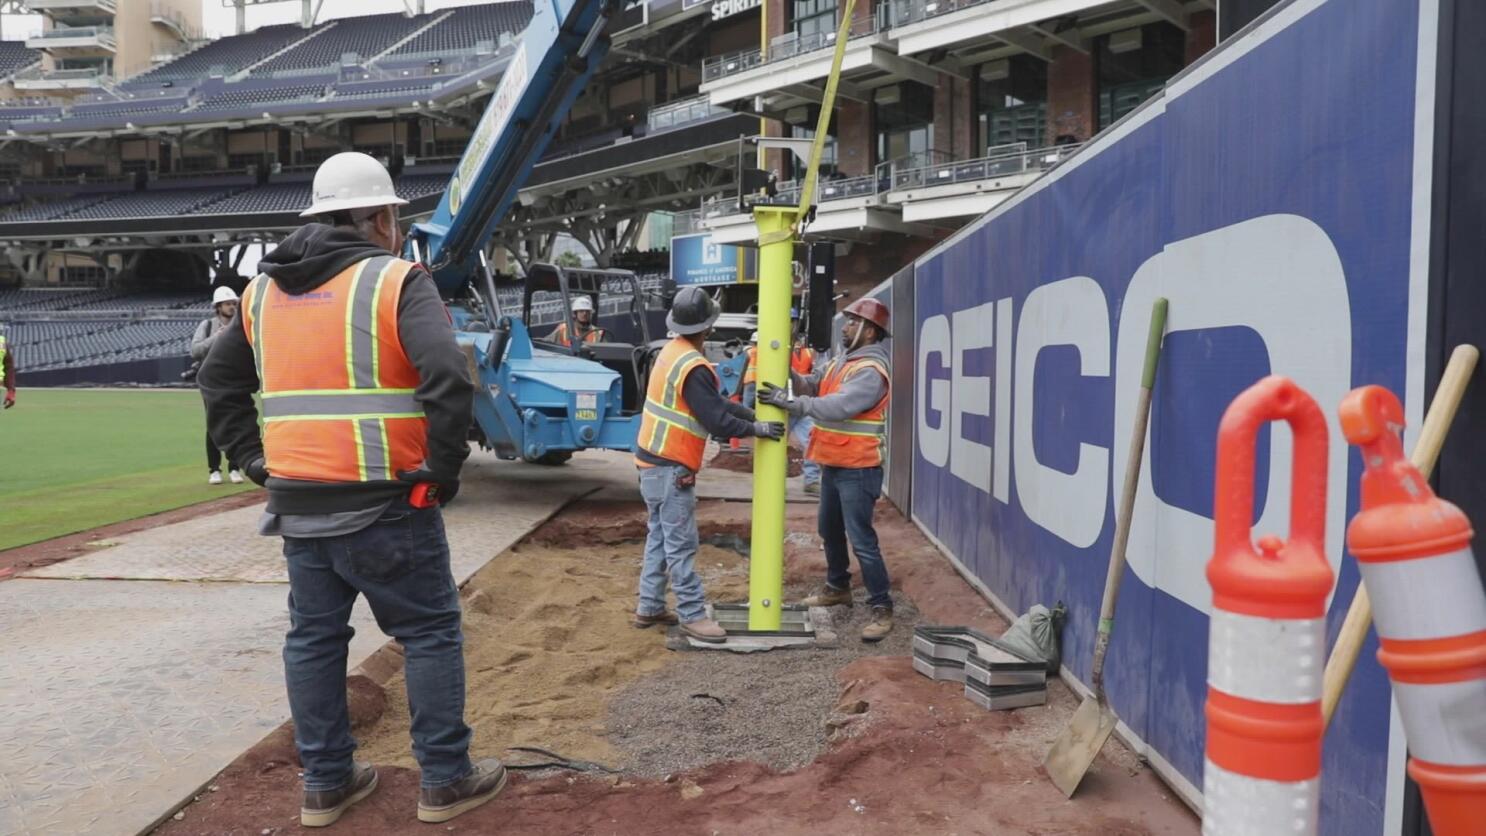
{"type": "Point", "coordinates": [1445, 723]}
{"type": "Point", "coordinates": [1237, 805]}
{"type": "Point", "coordinates": [1427, 597]}
{"type": "Point", "coordinates": [1266, 659]}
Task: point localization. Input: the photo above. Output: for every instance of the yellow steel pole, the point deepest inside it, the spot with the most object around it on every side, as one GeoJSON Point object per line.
{"type": "Point", "coordinates": [778, 227]}
{"type": "Point", "coordinates": [771, 458]}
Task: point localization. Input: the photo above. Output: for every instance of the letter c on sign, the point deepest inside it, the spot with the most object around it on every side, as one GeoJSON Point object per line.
{"type": "Point", "coordinates": [933, 442]}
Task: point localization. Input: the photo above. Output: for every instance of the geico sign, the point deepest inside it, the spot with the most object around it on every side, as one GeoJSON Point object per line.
{"type": "Point", "coordinates": [1278, 275]}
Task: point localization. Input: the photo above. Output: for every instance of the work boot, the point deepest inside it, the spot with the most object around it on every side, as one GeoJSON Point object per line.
{"type": "Point", "coordinates": [812, 488]}
{"type": "Point", "coordinates": [880, 625]}
{"type": "Point", "coordinates": [829, 596]}
{"type": "Point", "coordinates": [705, 630]}
{"type": "Point", "coordinates": [440, 804]}
{"type": "Point", "coordinates": [322, 808]}
{"type": "Point", "coordinates": [666, 618]}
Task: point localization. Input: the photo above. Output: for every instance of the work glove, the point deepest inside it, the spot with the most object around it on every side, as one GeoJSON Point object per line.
{"type": "Point", "coordinates": [768, 429]}
{"type": "Point", "coordinates": [773, 395]}
{"type": "Point", "coordinates": [448, 487]}
{"type": "Point", "coordinates": [256, 471]}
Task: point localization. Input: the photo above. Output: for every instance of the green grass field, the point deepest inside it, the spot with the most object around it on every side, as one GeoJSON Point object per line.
{"type": "Point", "coordinates": [71, 460]}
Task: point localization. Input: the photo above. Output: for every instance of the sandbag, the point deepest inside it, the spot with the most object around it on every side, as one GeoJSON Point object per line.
{"type": "Point", "coordinates": [1037, 635]}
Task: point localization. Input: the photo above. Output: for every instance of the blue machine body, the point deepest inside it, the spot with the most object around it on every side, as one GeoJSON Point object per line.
{"type": "Point", "coordinates": [530, 403]}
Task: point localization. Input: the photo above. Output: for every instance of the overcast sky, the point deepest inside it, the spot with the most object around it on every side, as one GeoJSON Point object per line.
{"type": "Point", "coordinates": [219, 20]}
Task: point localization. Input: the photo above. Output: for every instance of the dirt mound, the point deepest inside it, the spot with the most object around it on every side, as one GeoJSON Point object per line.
{"type": "Point", "coordinates": [741, 461]}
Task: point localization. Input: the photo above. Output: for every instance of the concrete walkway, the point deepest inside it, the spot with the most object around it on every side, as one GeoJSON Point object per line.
{"type": "Point", "coordinates": [134, 674]}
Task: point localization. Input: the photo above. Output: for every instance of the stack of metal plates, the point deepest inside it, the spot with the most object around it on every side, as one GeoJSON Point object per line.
{"type": "Point", "coordinates": [994, 676]}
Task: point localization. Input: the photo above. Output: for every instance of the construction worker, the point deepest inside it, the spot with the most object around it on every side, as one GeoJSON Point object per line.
{"type": "Point", "coordinates": [848, 400]}
{"type": "Point", "coordinates": [224, 310]}
{"type": "Point", "coordinates": [7, 371]}
{"type": "Point", "coordinates": [365, 395]}
{"type": "Point", "coordinates": [587, 331]}
{"type": "Point", "coordinates": [802, 362]}
{"type": "Point", "coordinates": [683, 406]}
{"type": "Point", "coordinates": [750, 372]}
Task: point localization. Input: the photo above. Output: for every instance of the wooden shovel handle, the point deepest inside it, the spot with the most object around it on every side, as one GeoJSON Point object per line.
{"type": "Point", "coordinates": [1426, 452]}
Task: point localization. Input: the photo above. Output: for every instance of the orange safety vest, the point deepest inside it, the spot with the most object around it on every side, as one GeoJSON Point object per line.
{"type": "Point", "coordinates": [801, 360]}
{"type": "Point", "coordinates": [856, 442]}
{"type": "Point", "coordinates": [560, 335]}
{"type": "Point", "coordinates": [750, 371]}
{"type": "Point", "coordinates": [337, 388]}
{"type": "Point", "coordinates": [668, 428]}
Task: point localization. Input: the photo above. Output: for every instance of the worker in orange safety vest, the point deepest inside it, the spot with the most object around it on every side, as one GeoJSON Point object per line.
{"type": "Point", "coordinates": [848, 400]}
{"type": "Point", "coordinates": [584, 326]}
{"type": "Point", "coordinates": [366, 404]}
{"type": "Point", "coordinates": [683, 406]}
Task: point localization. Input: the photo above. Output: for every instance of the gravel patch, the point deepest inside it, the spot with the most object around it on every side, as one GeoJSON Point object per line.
{"type": "Point", "coordinates": [711, 706]}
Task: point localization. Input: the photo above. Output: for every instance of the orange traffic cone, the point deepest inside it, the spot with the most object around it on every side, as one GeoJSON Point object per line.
{"type": "Point", "coordinates": [1430, 610]}
{"type": "Point", "coordinates": [1266, 636]}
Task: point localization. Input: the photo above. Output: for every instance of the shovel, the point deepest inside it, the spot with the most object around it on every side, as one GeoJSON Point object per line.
{"type": "Point", "coordinates": [1074, 751]}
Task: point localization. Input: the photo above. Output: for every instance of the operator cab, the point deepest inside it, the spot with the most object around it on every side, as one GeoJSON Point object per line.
{"type": "Point", "coordinates": [625, 348]}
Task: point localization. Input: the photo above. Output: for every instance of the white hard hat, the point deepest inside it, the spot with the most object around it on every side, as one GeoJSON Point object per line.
{"type": "Point", "coordinates": [753, 338]}
{"type": "Point", "coordinates": [223, 294]}
{"type": "Point", "coordinates": [350, 180]}
{"type": "Point", "coordinates": [582, 303]}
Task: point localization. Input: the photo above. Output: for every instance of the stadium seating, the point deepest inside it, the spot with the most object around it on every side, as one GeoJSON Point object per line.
{"type": "Point", "coordinates": [403, 90]}
{"type": "Point", "coordinates": [232, 98]}
{"type": "Point", "coordinates": [467, 27]}
{"type": "Point", "coordinates": [128, 107]}
{"type": "Point", "coordinates": [275, 197]}
{"type": "Point", "coordinates": [54, 345]}
{"type": "Point", "coordinates": [364, 36]}
{"type": "Point", "coordinates": [148, 204]}
{"type": "Point", "coordinates": [414, 187]}
{"type": "Point", "coordinates": [53, 209]}
{"type": "Point", "coordinates": [15, 56]}
{"type": "Point", "coordinates": [232, 55]}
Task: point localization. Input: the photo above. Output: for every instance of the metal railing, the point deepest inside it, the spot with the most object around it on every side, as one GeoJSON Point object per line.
{"type": "Point", "coordinates": [787, 47]}
{"type": "Point", "coordinates": [682, 112]}
{"type": "Point", "coordinates": [104, 34]}
{"type": "Point", "coordinates": [173, 17]}
{"type": "Point", "coordinates": [43, 6]}
{"type": "Point", "coordinates": [904, 12]}
{"type": "Point", "coordinates": [41, 74]}
{"type": "Point", "coordinates": [1002, 161]}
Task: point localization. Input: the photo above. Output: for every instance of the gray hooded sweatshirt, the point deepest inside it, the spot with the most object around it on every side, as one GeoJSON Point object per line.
{"type": "Point", "coordinates": [857, 393]}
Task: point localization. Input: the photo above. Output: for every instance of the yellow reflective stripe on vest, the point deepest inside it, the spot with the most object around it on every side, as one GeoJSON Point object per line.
{"type": "Point", "coordinates": [854, 427]}
{"type": "Point", "coordinates": [679, 370]}
{"type": "Point", "coordinates": [259, 289]}
{"type": "Point", "coordinates": [675, 419]}
{"type": "Point", "coordinates": [352, 403]}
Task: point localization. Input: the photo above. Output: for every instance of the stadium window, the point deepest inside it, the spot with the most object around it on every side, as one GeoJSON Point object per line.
{"type": "Point", "coordinates": [828, 161]}
{"type": "Point", "coordinates": [905, 125]}
{"type": "Point", "coordinates": [1134, 65]}
{"type": "Point", "coordinates": [814, 18]}
{"type": "Point", "coordinates": [1011, 102]}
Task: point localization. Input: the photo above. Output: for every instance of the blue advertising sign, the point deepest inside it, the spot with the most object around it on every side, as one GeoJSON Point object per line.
{"type": "Point", "coordinates": [697, 259]}
{"type": "Point", "coordinates": [1288, 226]}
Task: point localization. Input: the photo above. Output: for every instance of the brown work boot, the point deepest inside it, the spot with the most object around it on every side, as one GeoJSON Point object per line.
{"type": "Point", "coordinates": [880, 625]}
{"type": "Point", "coordinates": [322, 808]}
{"type": "Point", "coordinates": [439, 804]}
{"type": "Point", "coordinates": [664, 618]}
{"type": "Point", "coordinates": [705, 630]}
{"type": "Point", "coordinates": [829, 596]}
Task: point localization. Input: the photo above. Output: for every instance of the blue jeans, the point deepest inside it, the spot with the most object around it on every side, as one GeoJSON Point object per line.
{"type": "Point", "coordinates": [670, 545]}
{"type": "Point", "coordinates": [401, 564]}
{"type": "Point", "coordinates": [799, 430]}
{"type": "Point", "coordinates": [847, 498]}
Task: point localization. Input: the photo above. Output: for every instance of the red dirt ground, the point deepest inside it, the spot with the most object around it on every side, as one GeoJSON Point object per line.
{"type": "Point", "coordinates": [923, 760]}
{"type": "Point", "coordinates": [58, 549]}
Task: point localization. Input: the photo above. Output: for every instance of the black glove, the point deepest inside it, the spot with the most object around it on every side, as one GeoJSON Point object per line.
{"type": "Point", "coordinates": [448, 487]}
{"type": "Point", "coordinates": [768, 429]}
{"type": "Point", "coordinates": [256, 471]}
{"type": "Point", "coordinates": [773, 395]}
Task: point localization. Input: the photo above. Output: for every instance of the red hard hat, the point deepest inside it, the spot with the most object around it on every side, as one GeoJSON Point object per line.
{"type": "Point", "coordinates": [871, 310]}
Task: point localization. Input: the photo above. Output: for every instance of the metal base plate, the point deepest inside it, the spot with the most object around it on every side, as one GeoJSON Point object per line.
{"type": "Point", "coordinates": [994, 677]}
{"type": "Point", "coordinates": [798, 627]}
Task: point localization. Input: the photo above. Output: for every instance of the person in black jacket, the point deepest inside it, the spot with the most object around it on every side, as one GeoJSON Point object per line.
{"type": "Point", "coordinates": [342, 537]}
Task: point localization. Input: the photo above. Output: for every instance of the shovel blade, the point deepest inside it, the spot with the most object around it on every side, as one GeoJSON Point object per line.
{"type": "Point", "coordinates": [1074, 751]}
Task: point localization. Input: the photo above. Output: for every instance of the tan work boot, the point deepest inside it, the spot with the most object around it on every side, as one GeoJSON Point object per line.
{"type": "Point", "coordinates": [829, 596]}
{"type": "Point", "coordinates": [439, 804]}
{"type": "Point", "coordinates": [705, 630]}
{"type": "Point", "coordinates": [321, 808]}
{"type": "Point", "coordinates": [664, 618]}
{"type": "Point", "coordinates": [880, 625]}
